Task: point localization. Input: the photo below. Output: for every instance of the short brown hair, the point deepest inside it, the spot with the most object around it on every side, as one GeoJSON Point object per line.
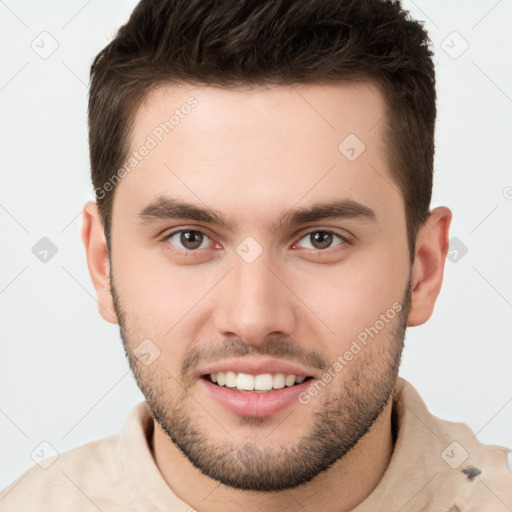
{"type": "Point", "coordinates": [238, 42]}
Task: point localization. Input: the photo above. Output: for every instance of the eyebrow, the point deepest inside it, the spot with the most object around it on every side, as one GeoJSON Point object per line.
{"type": "Point", "coordinates": [166, 208]}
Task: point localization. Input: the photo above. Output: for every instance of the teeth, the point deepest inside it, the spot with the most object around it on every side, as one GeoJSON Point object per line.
{"type": "Point", "coordinates": [244, 381]}
{"type": "Point", "coordinates": [231, 380]}
{"type": "Point", "coordinates": [262, 382]}
{"type": "Point", "coordinates": [278, 381]}
{"type": "Point", "coordinates": [289, 380]}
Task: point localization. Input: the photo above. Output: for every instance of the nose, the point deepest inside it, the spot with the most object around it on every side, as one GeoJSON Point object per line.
{"type": "Point", "coordinates": [255, 302]}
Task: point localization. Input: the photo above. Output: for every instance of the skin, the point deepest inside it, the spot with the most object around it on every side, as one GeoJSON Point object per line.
{"type": "Point", "coordinates": [251, 155]}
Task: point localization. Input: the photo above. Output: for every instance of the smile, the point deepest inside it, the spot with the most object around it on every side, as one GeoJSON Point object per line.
{"type": "Point", "coordinates": [261, 383]}
{"type": "Point", "coordinates": [238, 393]}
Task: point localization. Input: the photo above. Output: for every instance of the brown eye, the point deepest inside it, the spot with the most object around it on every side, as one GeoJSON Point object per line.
{"type": "Point", "coordinates": [322, 239]}
{"type": "Point", "coordinates": [187, 239]}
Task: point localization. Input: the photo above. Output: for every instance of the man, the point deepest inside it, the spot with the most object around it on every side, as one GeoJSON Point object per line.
{"type": "Point", "coordinates": [262, 236]}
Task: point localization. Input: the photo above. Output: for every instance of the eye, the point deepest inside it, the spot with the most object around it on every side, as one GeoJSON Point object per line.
{"type": "Point", "coordinates": [322, 239]}
{"type": "Point", "coordinates": [189, 239]}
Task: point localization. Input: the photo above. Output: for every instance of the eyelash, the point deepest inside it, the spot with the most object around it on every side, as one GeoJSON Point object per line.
{"type": "Point", "coordinates": [193, 252]}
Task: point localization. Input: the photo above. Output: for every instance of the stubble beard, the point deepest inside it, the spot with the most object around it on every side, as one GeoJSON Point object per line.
{"type": "Point", "coordinates": [345, 416]}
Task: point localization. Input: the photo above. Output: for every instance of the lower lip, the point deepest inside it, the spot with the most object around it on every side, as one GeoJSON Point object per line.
{"type": "Point", "coordinates": [255, 404]}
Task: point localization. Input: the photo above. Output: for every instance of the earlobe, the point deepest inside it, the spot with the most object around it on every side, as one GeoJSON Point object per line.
{"type": "Point", "coordinates": [428, 267]}
{"type": "Point", "coordinates": [98, 261]}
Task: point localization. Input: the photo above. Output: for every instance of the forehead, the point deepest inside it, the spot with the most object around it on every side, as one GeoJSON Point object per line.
{"type": "Point", "coordinates": [259, 144]}
{"type": "Point", "coordinates": [328, 107]}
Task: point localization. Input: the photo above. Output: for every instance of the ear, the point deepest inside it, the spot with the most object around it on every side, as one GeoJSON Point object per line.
{"type": "Point", "coordinates": [428, 267]}
{"type": "Point", "coordinates": [98, 262]}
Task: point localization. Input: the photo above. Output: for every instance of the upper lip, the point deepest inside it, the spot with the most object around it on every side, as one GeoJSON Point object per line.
{"type": "Point", "coordinates": [256, 367]}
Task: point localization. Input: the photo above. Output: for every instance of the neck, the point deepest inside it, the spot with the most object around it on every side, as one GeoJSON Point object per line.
{"type": "Point", "coordinates": [348, 482]}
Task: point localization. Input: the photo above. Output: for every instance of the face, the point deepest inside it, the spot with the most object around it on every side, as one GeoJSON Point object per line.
{"type": "Point", "coordinates": [260, 275]}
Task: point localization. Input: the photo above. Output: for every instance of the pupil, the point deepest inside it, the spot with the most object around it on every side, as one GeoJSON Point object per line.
{"type": "Point", "coordinates": [191, 239]}
{"type": "Point", "coordinates": [322, 239]}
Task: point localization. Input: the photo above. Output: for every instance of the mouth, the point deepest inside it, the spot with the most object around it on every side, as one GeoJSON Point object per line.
{"type": "Point", "coordinates": [255, 386]}
{"type": "Point", "coordinates": [256, 395]}
{"type": "Point", "coordinates": [260, 383]}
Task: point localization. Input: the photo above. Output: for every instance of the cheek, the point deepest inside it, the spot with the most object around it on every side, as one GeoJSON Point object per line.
{"type": "Point", "coordinates": [351, 296]}
{"type": "Point", "coordinates": [154, 295]}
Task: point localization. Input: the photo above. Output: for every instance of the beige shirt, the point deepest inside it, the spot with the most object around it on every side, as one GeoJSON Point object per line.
{"type": "Point", "coordinates": [436, 466]}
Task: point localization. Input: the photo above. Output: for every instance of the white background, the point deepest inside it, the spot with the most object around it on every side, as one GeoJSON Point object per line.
{"type": "Point", "coordinates": [63, 375]}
